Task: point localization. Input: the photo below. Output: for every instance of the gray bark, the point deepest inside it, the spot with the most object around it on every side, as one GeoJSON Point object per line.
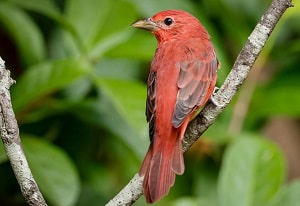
{"type": "Point", "coordinates": [12, 143]}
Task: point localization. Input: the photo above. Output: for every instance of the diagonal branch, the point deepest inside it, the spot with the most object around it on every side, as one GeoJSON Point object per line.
{"type": "Point", "coordinates": [244, 62]}
{"type": "Point", "coordinates": [239, 72]}
{"type": "Point", "coordinates": [12, 143]}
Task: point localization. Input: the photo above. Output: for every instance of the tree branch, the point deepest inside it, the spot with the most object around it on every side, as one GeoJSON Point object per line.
{"type": "Point", "coordinates": [244, 62]}
{"type": "Point", "coordinates": [12, 143]}
{"type": "Point", "coordinates": [239, 72]}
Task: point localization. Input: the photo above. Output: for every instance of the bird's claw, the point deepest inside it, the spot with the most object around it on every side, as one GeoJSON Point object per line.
{"type": "Point", "coordinates": [213, 100]}
{"type": "Point", "coordinates": [216, 89]}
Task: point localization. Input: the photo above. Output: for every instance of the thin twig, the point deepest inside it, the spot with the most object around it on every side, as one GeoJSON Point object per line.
{"type": "Point", "coordinates": [12, 143]}
{"type": "Point", "coordinates": [244, 62]}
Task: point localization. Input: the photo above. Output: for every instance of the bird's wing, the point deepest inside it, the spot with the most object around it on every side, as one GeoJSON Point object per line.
{"type": "Point", "coordinates": [150, 103]}
{"type": "Point", "coordinates": [196, 83]}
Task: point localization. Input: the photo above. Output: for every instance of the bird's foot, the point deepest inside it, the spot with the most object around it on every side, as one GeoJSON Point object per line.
{"type": "Point", "coordinates": [213, 100]}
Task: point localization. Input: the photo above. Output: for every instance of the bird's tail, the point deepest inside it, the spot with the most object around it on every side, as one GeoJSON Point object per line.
{"type": "Point", "coordinates": [163, 161]}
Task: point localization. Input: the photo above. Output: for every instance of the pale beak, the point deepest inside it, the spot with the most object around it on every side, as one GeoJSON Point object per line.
{"type": "Point", "coordinates": [146, 24]}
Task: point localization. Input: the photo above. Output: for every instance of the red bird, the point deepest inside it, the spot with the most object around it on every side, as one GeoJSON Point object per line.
{"type": "Point", "coordinates": [182, 79]}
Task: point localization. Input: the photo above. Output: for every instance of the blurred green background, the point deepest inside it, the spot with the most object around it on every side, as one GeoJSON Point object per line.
{"type": "Point", "coordinates": [80, 100]}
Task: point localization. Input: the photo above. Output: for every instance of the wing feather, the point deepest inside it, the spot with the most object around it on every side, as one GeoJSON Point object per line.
{"type": "Point", "coordinates": [195, 81]}
{"type": "Point", "coordinates": [150, 103]}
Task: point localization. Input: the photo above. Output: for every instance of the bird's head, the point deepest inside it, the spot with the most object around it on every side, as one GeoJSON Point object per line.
{"type": "Point", "coordinates": [171, 25]}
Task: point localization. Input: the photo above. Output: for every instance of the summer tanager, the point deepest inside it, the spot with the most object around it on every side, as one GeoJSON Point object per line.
{"type": "Point", "coordinates": [182, 79]}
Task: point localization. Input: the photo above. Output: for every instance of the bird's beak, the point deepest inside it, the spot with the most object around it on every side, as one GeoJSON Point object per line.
{"type": "Point", "coordinates": [146, 24]}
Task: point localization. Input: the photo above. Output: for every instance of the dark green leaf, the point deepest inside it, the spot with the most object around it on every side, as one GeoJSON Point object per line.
{"type": "Point", "coordinates": [53, 170]}
{"type": "Point", "coordinates": [45, 7]}
{"type": "Point", "coordinates": [25, 33]}
{"type": "Point", "coordinates": [3, 156]}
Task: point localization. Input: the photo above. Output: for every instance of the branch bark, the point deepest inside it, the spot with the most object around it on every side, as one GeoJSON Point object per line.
{"type": "Point", "coordinates": [244, 62]}
{"type": "Point", "coordinates": [12, 143]}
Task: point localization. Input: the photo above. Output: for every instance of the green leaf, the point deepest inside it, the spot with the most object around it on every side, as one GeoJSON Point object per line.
{"type": "Point", "coordinates": [141, 46]}
{"type": "Point", "coordinates": [282, 98]}
{"type": "Point", "coordinates": [252, 8]}
{"type": "Point", "coordinates": [119, 69]}
{"type": "Point", "coordinates": [252, 173]}
{"type": "Point", "coordinates": [24, 32]}
{"type": "Point", "coordinates": [87, 17]}
{"type": "Point", "coordinates": [53, 170]}
{"type": "Point", "coordinates": [115, 30]}
{"type": "Point", "coordinates": [51, 107]}
{"type": "Point", "coordinates": [124, 109]}
{"type": "Point", "coordinates": [148, 8]}
{"type": "Point", "coordinates": [3, 156]}
{"type": "Point", "coordinates": [108, 43]}
{"type": "Point", "coordinates": [64, 43]}
{"type": "Point", "coordinates": [188, 201]}
{"type": "Point", "coordinates": [98, 30]}
{"type": "Point", "coordinates": [45, 78]}
{"type": "Point", "coordinates": [130, 98]}
{"type": "Point", "coordinates": [205, 183]}
{"type": "Point", "coordinates": [45, 7]}
{"type": "Point", "coordinates": [49, 9]}
{"type": "Point", "coordinates": [290, 195]}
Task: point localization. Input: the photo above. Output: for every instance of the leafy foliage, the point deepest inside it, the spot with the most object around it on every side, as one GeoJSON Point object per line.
{"type": "Point", "coordinates": [256, 162]}
{"type": "Point", "coordinates": [48, 163]}
{"type": "Point", "coordinates": [80, 102]}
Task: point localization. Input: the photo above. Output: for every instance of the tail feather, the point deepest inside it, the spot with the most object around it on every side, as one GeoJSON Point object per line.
{"type": "Point", "coordinates": [146, 163]}
{"type": "Point", "coordinates": [178, 161]}
{"type": "Point", "coordinates": [161, 177]}
{"type": "Point", "coordinates": [159, 170]}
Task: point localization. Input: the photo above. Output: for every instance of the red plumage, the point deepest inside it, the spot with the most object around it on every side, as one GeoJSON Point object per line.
{"type": "Point", "coordinates": [181, 80]}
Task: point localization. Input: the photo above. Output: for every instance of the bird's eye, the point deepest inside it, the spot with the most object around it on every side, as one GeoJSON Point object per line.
{"type": "Point", "coordinates": [168, 21]}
